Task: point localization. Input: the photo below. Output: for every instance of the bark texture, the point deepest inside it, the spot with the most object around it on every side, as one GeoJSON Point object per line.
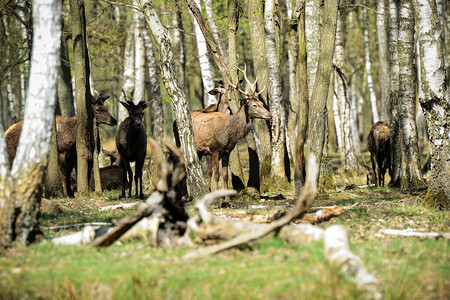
{"type": "Point", "coordinates": [21, 190]}
{"type": "Point", "coordinates": [383, 53]}
{"type": "Point", "coordinates": [435, 102]}
{"type": "Point", "coordinates": [197, 182]}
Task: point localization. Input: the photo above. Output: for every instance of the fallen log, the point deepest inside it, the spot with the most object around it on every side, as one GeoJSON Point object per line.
{"type": "Point", "coordinates": [410, 232]}
{"type": "Point", "coordinates": [338, 254]}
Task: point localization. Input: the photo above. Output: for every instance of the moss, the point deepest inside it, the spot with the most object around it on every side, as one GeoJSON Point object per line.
{"type": "Point", "coordinates": [439, 200]}
{"type": "Point", "coordinates": [249, 194]}
{"type": "Point", "coordinates": [326, 182]}
{"type": "Point", "coordinates": [414, 183]}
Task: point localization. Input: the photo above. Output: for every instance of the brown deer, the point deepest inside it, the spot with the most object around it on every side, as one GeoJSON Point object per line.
{"type": "Point", "coordinates": [110, 176]}
{"type": "Point", "coordinates": [378, 143]}
{"type": "Point", "coordinates": [217, 133]}
{"type": "Point", "coordinates": [131, 142]}
{"type": "Point", "coordinates": [66, 128]}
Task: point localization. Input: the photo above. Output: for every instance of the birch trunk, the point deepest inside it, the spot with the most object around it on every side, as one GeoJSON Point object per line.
{"type": "Point", "coordinates": [411, 176]}
{"type": "Point", "coordinates": [21, 190]}
{"type": "Point", "coordinates": [209, 9]}
{"type": "Point", "coordinates": [139, 56]}
{"type": "Point", "coordinates": [435, 102]}
{"type": "Point", "coordinates": [128, 74]}
{"type": "Point", "coordinates": [205, 66]}
{"type": "Point", "coordinates": [197, 182]}
{"type": "Point", "coordinates": [394, 91]}
{"type": "Point", "coordinates": [9, 89]}
{"type": "Point", "coordinates": [178, 46]}
{"type": "Point", "coordinates": [278, 121]}
{"type": "Point", "coordinates": [155, 98]}
{"type": "Point", "coordinates": [383, 53]}
{"type": "Point", "coordinates": [373, 98]}
{"type": "Point", "coordinates": [354, 117]}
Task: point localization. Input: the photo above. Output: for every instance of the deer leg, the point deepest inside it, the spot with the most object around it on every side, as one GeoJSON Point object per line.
{"type": "Point", "coordinates": [376, 168]}
{"type": "Point", "coordinates": [225, 174]}
{"type": "Point", "coordinates": [130, 177]}
{"type": "Point", "coordinates": [209, 168]}
{"type": "Point", "coordinates": [124, 177]}
{"type": "Point", "coordinates": [138, 178]}
{"type": "Point", "coordinates": [215, 165]}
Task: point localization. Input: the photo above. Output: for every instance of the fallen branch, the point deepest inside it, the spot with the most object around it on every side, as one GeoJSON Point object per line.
{"type": "Point", "coordinates": [121, 206]}
{"type": "Point", "coordinates": [348, 194]}
{"type": "Point", "coordinates": [82, 237]}
{"type": "Point", "coordinates": [413, 233]}
{"type": "Point", "coordinates": [303, 203]}
{"type": "Point", "coordinates": [338, 254]}
{"type": "Point", "coordinates": [78, 225]}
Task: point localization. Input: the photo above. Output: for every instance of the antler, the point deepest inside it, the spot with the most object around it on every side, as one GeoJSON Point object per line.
{"type": "Point", "coordinates": [252, 85]}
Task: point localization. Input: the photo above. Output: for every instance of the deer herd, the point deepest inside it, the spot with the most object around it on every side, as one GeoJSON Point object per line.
{"type": "Point", "coordinates": [216, 133]}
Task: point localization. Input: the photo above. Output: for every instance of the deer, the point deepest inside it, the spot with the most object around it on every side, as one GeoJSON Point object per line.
{"type": "Point", "coordinates": [66, 129]}
{"type": "Point", "coordinates": [378, 143]}
{"type": "Point", "coordinates": [217, 133]}
{"type": "Point", "coordinates": [110, 176]}
{"type": "Point", "coordinates": [131, 142]}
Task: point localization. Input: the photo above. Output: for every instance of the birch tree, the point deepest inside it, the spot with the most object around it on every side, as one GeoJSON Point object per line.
{"type": "Point", "coordinates": [383, 53]}
{"type": "Point", "coordinates": [278, 122]}
{"type": "Point", "coordinates": [372, 95]}
{"type": "Point", "coordinates": [197, 182]}
{"type": "Point", "coordinates": [209, 9]}
{"type": "Point", "coordinates": [139, 55]}
{"type": "Point", "coordinates": [435, 101]}
{"type": "Point", "coordinates": [206, 70]}
{"type": "Point", "coordinates": [410, 175]}
{"type": "Point", "coordinates": [128, 74]}
{"type": "Point", "coordinates": [21, 190]}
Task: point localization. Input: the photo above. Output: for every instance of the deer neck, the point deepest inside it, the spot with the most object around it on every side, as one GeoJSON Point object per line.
{"type": "Point", "coordinates": [241, 123]}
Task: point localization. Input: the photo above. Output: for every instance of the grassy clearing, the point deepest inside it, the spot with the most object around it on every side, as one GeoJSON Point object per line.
{"type": "Point", "coordinates": [408, 268]}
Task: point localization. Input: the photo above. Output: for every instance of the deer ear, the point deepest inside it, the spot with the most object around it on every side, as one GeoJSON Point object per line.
{"type": "Point", "coordinates": [214, 91]}
{"type": "Point", "coordinates": [103, 96]}
{"type": "Point", "coordinates": [126, 105]}
{"type": "Point", "coordinates": [144, 104]}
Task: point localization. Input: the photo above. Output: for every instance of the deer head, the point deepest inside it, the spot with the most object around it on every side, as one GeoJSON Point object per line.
{"type": "Point", "coordinates": [101, 113]}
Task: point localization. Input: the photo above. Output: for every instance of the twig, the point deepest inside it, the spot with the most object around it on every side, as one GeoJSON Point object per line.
{"type": "Point", "coordinates": [344, 192]}
{"type": "Point", "coordinates": [413, 233]}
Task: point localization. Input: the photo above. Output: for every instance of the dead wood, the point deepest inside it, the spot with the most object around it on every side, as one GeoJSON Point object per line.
{"type": "Point", "coordinates": [119, 206]}
{"type": "Point", "coordinates": [413, 233]}
{"type": "Point", "coordinates": [82, 237]}
{"type": "Point", "coordinates": [300, 234]}
{"type": "Point", "coordinates": [338, 254]}
{"type": "Point", "coordinates": [260, 230]}
{"type": "Point", "coordinates": [322, 215]}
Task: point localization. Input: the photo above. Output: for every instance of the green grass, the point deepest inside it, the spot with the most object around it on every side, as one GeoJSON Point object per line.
{"type": "Point", "coordinates": [408, 268]}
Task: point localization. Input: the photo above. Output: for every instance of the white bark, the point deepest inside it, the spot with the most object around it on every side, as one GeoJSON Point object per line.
{"type": "Point", "coordinates": [313, 15]}
{"type": "Point", "coordinates": [128, 74]}
{"type": "Point", "coordinates": [139, 56]}
{"type": "Point", "coordinates": [354, 118]}
{"type": "Point", "coordinates": [337, 123]}
{"type": "Point", "coordinates": [338, 254]}
{"type": "Point", "coordinates": [278, 120]}
{"type": "Point", "coordinates": [205, 65]}
{"type": "Point", "coordinates": [382, 24]}
{"type": "Point", "coordinates": [368, 64]}
{"type": "Point", "coordinates": [215, 29]}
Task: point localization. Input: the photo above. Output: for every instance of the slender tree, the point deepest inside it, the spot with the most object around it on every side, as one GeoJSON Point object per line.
{"type": "Point", "coordinates": [383, 53]}
{"type": "Point", "coordinates": [278, 122]}
{"type": "Point", "coordinates": [197, 182]}
{"type": "Point", "coordinates": [139, 55]}
{"type": "Point", "coordinates": [435, 101]}
{"type": "Point", "coordinates": [21, 190]}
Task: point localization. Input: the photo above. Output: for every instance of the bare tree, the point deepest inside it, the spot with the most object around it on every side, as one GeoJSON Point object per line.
{"type": "Point", "coordinates": [278, 124]}
{"type": "Point", "coordinates": [435, 101]}
{"type": "Point", "coordinates": [383, 50]}
{"type": "Point", "coordinates": [197, 182]}
{"type": "Point", "coordinates": [139, 55]}
{"type": "Point", "coordinates": [128, 73]}
{"type": "Point", "coordinates": [21, 190]}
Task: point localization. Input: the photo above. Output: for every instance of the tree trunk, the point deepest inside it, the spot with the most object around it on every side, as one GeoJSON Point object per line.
{"type": "Point", "coordinates": [178, 46]}
{"type": "Point", "coordinates": [139, 56]}
{"type": "Point", "coordinates": [21, 190]}
{"type": "Point", "coordinates": [373, 98]}
{"type": "Point", "coordinates": [319, 96]}
{"type": "Point", "coordinates": [410, 176]}
{"type": "Point", "coordinates": [197, 182]}
{"type": "Point", "coordinates": [84, 140]}
{"type": "Point", "coordinates": [394, 92]}
{"type": "Point", "coordinates": [128, 74]}
{"type": "Point", "coordinates": [262, 137]}
{"type": "Point", "coordinates": [278, 121]}
{"type": "Point", "coordinates": [154, 75]}
{"type": "Point", "coordinates": [237, 174]}
{"type": "Point", "coordinates": [293, 110]}
{"type": "Point", "coordinates": [65, 92]}
{"type": "Point", "coordinates": [435, 101]}
{"type": "Point", "coordinates": [53, 181]}
{"type": "Point", "coordinates": [300, 173]}
{"type": "Point", "coordinates": [383, 50]}
{"type": "Point", "coordinates": [205, 66]}
{"type": "Point", "coordinates": [215, 29]}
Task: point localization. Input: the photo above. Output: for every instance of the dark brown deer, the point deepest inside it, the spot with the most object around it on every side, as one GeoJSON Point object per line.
{"type": "Point", "coordinates": [217, 133]}
{"type": "Point", "coordinates": [131, 142]}
{"type": "Point", "coordinates": [66, 128]}
{"type": "Point", "coordinates": [110, 176]}
{"type": "Point", "coordinates": [378, 143]}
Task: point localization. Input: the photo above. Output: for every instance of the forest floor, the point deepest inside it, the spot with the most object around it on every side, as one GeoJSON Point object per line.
{"type": "Point", "coordinates": [407, 267]}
